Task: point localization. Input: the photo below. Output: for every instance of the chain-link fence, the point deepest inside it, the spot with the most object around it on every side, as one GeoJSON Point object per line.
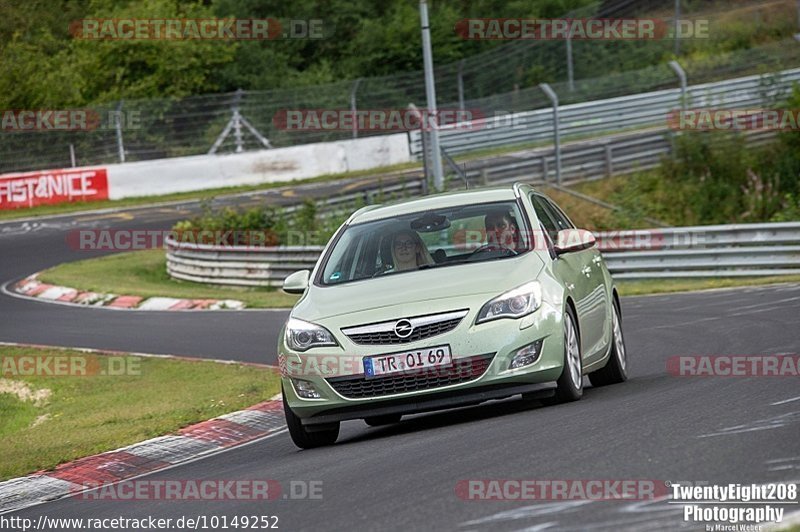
{"type": "Point", "coordinates": [505, 78]}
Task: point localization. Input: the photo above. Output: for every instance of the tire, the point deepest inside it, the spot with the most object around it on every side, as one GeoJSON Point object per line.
{"type": "Point", "coordinates": [569, 386]}
{"type": "Point", "coordinates": [304, 438]}
{"type": "Point", "coordinates": [616, 369]}
{"type": "Point", "coordinates": [388, 419]}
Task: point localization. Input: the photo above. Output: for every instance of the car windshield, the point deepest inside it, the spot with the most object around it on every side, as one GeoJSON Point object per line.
{"type": "Point", "coordinates": [429, 239]}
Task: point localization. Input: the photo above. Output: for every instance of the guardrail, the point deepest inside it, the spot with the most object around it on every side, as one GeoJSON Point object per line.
{"type": "Point", "coordinates": [703, 251]}
{"type": "Point", "coordinates": [645, 110]}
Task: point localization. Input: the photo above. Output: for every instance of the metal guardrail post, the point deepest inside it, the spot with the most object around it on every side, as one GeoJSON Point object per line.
{"type": "Point", "coordinates": [424, 142]}
{"type": "Point", "coordinates": [461, 83]}
{"type": "Point", "coordinates": [430, 92]}
{"type": "Point", "coordinates": [570, 72]}
{"type": "Point", "coordinates": [556, 127]}
{"type": "Point", "coordinates": [237, 122]}
{"type": "Point", "coordinates": [677, 27]}
{"type": "Point", "coordinates": [678, 69]}
{"type": "Point", "coordinates": [609, 161]}
{"type": "Point", "coordinates": [118, 127]}
{"type": "Point", "coordinates": [545, 169]}
{"type": "Point", "coordinates": [353, 107]}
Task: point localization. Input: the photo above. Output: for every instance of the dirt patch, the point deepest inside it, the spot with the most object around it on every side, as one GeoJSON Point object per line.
{"type": "Point", "coordinates": [24, 392]}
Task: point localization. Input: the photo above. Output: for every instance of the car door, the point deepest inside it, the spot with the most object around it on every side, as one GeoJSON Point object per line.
{"type": "Point", "coordinates": [581, 273]}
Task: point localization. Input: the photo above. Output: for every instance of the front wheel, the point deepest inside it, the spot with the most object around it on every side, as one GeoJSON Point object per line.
{"type": "Point", "coordinates": [616, 369]}
{"type": "Point", "coordinates": [308, 439]}
{"type": "Point", "coordinates": [569, 386]}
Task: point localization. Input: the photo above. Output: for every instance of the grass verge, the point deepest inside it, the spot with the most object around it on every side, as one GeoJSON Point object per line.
{"type": "Point", "coordinates": [660, 286]}
{"type": "Point", "coordinates": [67, 416]}
{"type": "Point", "coordinates": [144, 273]}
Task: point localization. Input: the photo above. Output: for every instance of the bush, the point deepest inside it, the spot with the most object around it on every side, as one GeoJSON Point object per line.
{"type": "Point", "coordinates": [259, 226]}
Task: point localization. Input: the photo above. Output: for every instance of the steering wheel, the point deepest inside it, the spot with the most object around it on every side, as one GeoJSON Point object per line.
{"type": "Point", "coordinates": [493, 247]}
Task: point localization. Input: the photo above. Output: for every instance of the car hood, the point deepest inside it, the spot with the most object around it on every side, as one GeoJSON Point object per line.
{"type": "Point", "coordinates": [401, 294]}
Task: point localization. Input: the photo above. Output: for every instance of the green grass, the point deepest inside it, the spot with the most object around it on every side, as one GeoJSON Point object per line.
{"type": "Point", "coordinates": [659, 286]}
{"type": "Point", "coordinates": [144, 273]}
{"type": "Point", "coordinates": [16, 414]}
{"type": "Point", "coordinates": [90, 414]}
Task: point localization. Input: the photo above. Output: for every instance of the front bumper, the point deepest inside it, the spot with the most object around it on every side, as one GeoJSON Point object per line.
{"type": "Point", "coordinates": [429, 402]}
{"type": "Point", "coordinates": [496, 342]}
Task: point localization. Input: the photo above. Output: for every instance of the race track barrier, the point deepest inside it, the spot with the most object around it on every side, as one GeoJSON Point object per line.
{"type": "Point", "coordinates": [764, 249]}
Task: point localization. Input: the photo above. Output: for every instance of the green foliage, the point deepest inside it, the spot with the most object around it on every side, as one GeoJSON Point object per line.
{"type": "Point", "coordinates": [714, 177]}
{"type": "Point", "coordinates": [304, 226]}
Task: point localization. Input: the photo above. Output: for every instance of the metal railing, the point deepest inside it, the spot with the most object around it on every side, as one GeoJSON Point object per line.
{"type": "Point", "coordinates": [737, 250]}
{"type": "Point", "coordinates": [593, 118]}
{"type": "Point", "coordinates": [764, 249]}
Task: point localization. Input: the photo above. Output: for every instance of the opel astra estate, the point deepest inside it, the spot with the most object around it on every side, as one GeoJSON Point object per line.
{"type": "Point", "coordinates": [445, 301]}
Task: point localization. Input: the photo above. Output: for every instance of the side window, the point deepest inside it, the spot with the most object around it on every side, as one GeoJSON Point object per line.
{"type": "Point", "coordinates": [561, 219]}
{"type": "Point", "coordinates": [545, 217]}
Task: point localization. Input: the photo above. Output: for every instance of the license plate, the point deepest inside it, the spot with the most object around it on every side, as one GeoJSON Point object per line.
{"type": "Point", "coordinates": [407, 361]}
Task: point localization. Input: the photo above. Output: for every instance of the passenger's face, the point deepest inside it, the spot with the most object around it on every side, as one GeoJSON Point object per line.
{"type": "Point", "coordinates": [405, 248]}
{"type": "Point", "coordinates": [503, 232]}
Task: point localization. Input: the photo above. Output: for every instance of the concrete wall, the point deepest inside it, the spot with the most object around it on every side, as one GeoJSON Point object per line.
{"type": "Point", "coordinates": [182, 174]}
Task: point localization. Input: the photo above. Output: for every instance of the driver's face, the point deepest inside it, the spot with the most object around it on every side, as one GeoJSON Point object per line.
{"type": "Point", "coordinates": [502, 232]}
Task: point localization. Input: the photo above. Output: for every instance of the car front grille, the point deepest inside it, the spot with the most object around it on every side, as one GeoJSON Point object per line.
{"type": "Point", "coordinates": [460, 371]}
{"type": "Point", "coordinates": [423, 327]}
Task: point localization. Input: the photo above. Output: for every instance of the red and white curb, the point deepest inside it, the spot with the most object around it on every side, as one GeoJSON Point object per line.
{"type": "Point", "coordinates": [193, 442]}
{"type": "Point", "coordinates": [32, 288]}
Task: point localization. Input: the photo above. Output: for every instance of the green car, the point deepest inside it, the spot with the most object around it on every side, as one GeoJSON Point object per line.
{"type": "Point", "coordinates": [446, 301]}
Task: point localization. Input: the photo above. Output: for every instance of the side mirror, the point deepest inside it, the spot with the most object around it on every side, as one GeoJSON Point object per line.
{"type": "Point", "coordinates": [570, 240]}
{"type": "Point", "coordinates": [297, 282]}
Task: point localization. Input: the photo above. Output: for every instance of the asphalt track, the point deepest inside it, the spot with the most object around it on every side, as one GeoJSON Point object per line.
{"type": "Point", "coordinates": [656, 426]}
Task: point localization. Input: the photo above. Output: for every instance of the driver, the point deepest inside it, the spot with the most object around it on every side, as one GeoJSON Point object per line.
{"type": "Point", "coordinates": [502, 230]}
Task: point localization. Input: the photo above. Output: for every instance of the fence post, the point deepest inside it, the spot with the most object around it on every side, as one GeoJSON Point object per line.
{"type": "Point", "coordinates": [416, 111]}
{"type": "Point", "coordinates": [677, 27]}
{"type": "Point", "coordinates": [556, 128]}
{"type": "Point", "coordinates": [676, 67]}
{"type": "Point", "coordinates": [353, 106]}
{"type": "Point", "coordinates": [570, 72]}
{"type": "Point", "coordinates": [72, 154]}
{"type": "Point", "coordinates": [461, 83]}
{"type": "Point", "coordinates": [118, 126]}
{"type": "Point", "coordinates": [237, 122]}
{"type": "Point", "coordinates": [545, 169]}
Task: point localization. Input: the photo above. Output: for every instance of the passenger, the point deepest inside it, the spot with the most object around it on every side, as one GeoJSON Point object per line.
{"type": "Point", "coordinates": [409, 251]}
{"type": "Point", "coordinates": [502, 231]}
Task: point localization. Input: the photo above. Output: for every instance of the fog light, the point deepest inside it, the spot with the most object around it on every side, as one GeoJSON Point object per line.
{"type": "Point", "coordinates": [527, 355]}
{"type": "Point", "coordinates": [305, 389]}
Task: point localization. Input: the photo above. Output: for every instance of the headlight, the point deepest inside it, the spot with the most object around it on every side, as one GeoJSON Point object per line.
{"type": "Point", "coordinates": [302, 336]}
{"type": "Point", "coordinates": [518, 302]}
